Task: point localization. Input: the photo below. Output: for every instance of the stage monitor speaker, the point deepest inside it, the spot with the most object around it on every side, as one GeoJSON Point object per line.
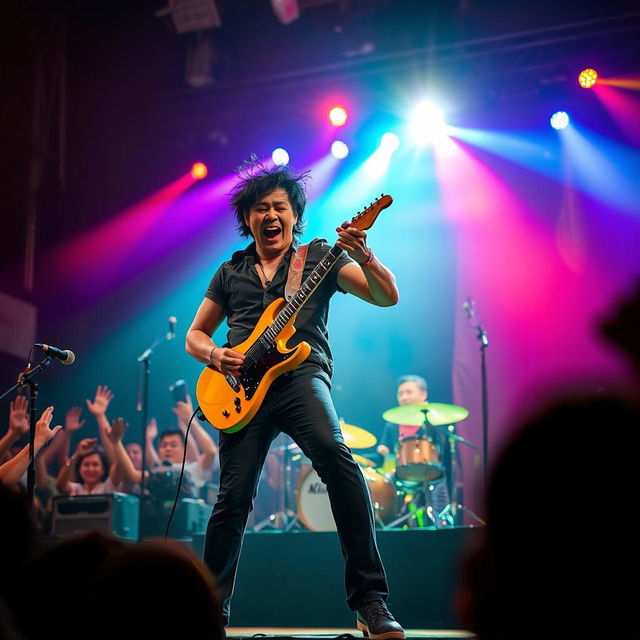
{"type": "Point", "coordinates": [190, 519]}
{"type": "Point", "coordinates": [115, 514]}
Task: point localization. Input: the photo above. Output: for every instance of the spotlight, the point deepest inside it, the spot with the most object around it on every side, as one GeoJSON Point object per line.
{"type": "Point", "coordinates": [390, 142]}
{"type": "Point", "coordinates": [559, 120]}
{"type": "Point", "coordinates": [426, 123]}
{"type": "Point", "coordinates": [587, 78]}
{"type": "Point", "coordinates": [199, 170]}
{"type": "Point", "coordinates": [339, 149]}
{"type": "Point", "coordinates": [280, 156]}
{"type": "Point", "coordinates": [337, 116]}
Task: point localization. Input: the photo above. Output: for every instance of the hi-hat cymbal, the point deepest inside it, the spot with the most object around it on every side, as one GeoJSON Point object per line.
{"type": "Point", "coordinates": [356, 437]}
{"type": "Point", "coordinates": [437, 413]}
{"type": "Point", "coordinates": [361, 460]}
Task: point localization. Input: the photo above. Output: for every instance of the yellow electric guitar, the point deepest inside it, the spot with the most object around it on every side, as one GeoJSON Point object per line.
{"type": "Point", "coordinates": [229, 402]}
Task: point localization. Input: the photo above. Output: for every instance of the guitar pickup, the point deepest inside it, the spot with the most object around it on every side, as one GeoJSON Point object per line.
{"type": "Point", "coordinates": [233, 383]}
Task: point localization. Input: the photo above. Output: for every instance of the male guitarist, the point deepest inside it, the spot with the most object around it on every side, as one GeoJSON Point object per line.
{"type": "Point", "coordinates": [269, 206]}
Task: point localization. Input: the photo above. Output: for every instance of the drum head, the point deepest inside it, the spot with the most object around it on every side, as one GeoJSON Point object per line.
{"type": "Point", "coordinates": [419, 473]}
{"type": "Point", "coordinates": [314, 509]}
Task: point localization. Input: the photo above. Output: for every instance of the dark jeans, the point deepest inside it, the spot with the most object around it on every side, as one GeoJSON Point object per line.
{"type": "Point", "coordinates": [298, 403]}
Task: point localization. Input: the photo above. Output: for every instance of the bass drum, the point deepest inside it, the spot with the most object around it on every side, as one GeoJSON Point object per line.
{"type": "Point", "coordinates": [314, 510]}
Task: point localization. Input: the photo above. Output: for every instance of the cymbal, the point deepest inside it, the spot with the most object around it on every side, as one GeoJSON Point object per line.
{"type": "Point", "coordinates": [356, 437]}
{"type": "Point", "coordinates": [361, 460]}
{"type": "Point", "coordinates": [437, 413]}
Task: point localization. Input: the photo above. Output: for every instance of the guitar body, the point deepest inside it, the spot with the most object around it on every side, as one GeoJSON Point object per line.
{"type": "Point", "coordinates": [230, 403]}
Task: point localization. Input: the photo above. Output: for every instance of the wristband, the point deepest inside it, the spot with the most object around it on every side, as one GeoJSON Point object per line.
{"type": "Point", "coordinates": [369, 260]}
{"type": "Point", "coordinates": [211, 354]}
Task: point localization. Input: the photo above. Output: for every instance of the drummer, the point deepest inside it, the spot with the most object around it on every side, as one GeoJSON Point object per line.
{"type": "Point", "coordinates": [412, 389]}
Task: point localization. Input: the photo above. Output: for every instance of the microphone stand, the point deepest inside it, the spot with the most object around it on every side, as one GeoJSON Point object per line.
{"type": "Point", "coordinates": [481, 336]}
{"type": "Point", "coordinates": [484, 343]}
{"type": "Point", "coordinates": [143, 407]}
{"type": "Point", "coordinates": [27, 379]}
{"type": "Point", "coordinates": [456, 505]}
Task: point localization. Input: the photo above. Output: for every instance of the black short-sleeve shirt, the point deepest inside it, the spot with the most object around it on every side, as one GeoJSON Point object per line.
{"type": "Point", "coordinates": [236, 287]}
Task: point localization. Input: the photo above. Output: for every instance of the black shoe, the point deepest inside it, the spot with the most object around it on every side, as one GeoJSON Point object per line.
{"type": "Point", "coordinates": [375, 621]}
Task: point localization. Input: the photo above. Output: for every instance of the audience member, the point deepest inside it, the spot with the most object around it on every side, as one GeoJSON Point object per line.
{"type": "Point", "coordinates": [12, 471]}
{"type": "Point", "coordinates": [18, 427]}
{"type": "Point", "coordinates": [98, 409]}
{"type": "Point", "coordinates": [156, 576]}
{"type": "Point", "coordinates": [92, 470]}
{"type": "Point", "coordinates": [19, 540]}
{"type": "Point", "coordinates": [622, 327]}
{"type": "Point", "coordinates": [55, 455]}
{"type": "Point", "coordinates": [171, 451]}
{"type": "Point", "coordinates": [559, 568]}
{"type": "Point", "coordinates": [69, 572]}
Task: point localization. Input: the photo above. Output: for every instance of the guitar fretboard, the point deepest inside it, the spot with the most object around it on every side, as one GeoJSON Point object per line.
{"type": "Point", "coordinates": [295, 304]}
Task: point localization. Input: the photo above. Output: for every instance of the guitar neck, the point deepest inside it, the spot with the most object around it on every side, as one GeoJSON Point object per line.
{"type": "Point", "coordinates": [304, 293]}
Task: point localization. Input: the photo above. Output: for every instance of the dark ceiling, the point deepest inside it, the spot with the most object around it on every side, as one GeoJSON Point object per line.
{"type": "Point", "coordinates": [93, 90]}
{"type": "Point", "coordinates": [333, 36]}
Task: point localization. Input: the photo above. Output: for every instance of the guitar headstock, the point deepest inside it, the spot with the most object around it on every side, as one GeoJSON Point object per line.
{"type": "Point", "coordinates": [365, 219]}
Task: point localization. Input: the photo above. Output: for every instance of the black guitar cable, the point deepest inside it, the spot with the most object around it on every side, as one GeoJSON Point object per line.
{"type": "Point", "coordinates": [184, 460]}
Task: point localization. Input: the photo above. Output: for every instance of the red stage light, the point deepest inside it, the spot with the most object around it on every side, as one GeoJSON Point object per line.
{"type": "Point", "coordinates": [199, 170]}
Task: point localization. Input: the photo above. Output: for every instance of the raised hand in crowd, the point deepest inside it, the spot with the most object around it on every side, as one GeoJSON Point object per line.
{"type": "Point", "coordinates": [72, 420]}
{"type": "Point", "coordinates": [208, 449]}
{"type": "Point", "coordinates": [12, 471]}
{"type": "Point", "coordinates": [116, 430]}
{"type": "Point", "coordinates": [18, 424]}
{"type": "Point", "coordinates": [152, 433]}
{"type": "Point", "coordinates": [98, 409]}
{"type": "Point", "coordinates": [86, 445]}
{"type": "Point", "coordinates": [19, 416]}
{"type": "Point", "coordinates": [184, 411]}
{"type": "Point", "coordinates": [59, 450]}
{"type": "Point", "coordinates": [101, 401]}
{"type": "Point", "coordinates": [123, 468]}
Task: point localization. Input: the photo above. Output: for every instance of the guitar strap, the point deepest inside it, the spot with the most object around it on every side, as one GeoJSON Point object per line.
{"type": "Point", "coordinates": [296, 267]}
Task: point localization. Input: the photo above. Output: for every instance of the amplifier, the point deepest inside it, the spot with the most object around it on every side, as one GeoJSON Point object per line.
{"type": "Point", "coordinates": [190, 518]}
{"type": "Point", "coordinates": [115, 514]}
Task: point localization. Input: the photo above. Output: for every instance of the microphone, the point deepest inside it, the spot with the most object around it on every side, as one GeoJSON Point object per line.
{"type": "Point", "coordinates": [66, 356]}
{"type": "Point", "coordinates": [171, 334]}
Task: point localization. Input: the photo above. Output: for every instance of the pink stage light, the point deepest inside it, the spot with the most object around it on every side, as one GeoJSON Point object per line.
{"type": "Point", "coordinates": [338, 116]}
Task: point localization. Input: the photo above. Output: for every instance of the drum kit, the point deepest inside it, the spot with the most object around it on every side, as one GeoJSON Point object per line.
{"type": "Point", "coordinates": [399, 487]}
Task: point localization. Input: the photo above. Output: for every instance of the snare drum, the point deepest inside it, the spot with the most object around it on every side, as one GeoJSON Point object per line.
{"type": "Point", "coordinates": [314, 510]}
{"type": "Point", "coordinates": [418, 461]}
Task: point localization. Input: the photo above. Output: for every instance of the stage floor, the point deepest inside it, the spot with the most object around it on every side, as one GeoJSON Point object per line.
{"type": "Point", "coordinates": [295, 581]}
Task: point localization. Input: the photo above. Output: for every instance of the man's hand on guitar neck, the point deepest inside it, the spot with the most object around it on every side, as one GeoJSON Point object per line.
{"type": "Point", "coordinates": [354, 242]}
{"type": "Point", "coordinates": [227, 361]}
